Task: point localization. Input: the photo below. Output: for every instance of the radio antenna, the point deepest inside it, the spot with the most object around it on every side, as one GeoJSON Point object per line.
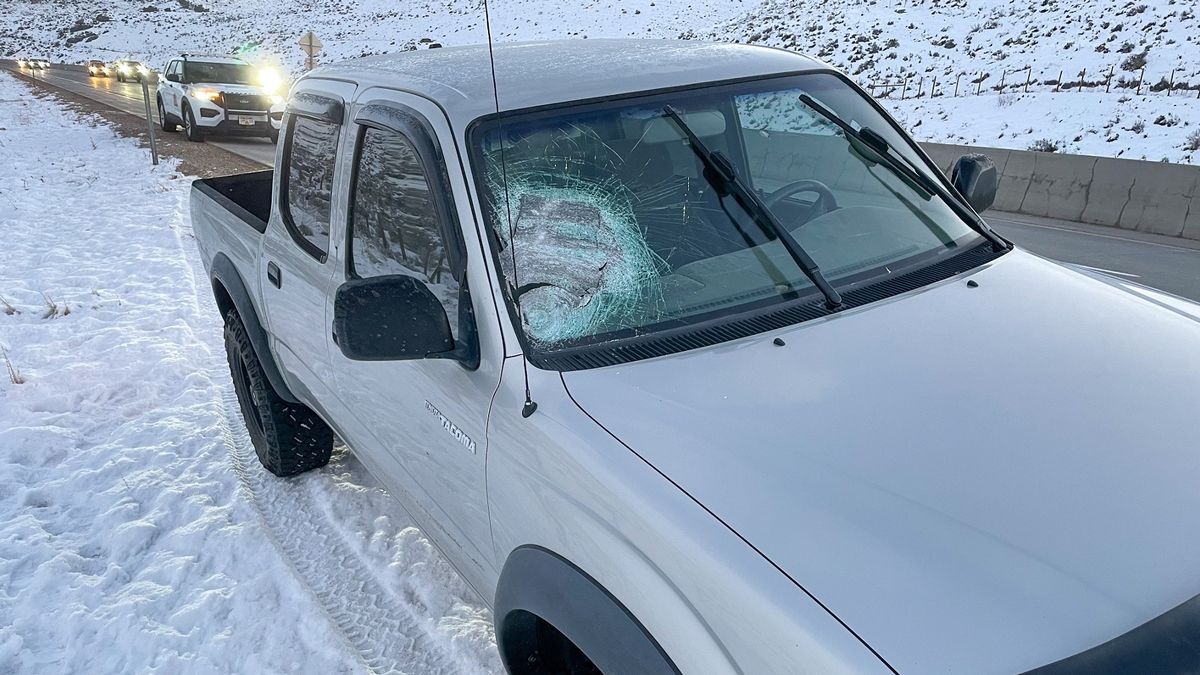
{"type": "Point", "coordinates": [530, 405]}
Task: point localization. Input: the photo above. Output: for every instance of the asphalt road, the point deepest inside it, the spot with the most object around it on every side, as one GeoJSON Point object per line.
{"type": "Point", "coordinates": [1167, 263]}
{"type": "Point", "coordinates": [127, 97]}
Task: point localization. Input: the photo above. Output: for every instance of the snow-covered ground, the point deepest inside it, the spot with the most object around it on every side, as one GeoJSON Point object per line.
{"type": "Point", "coordinates": [137, 532]}
{"type": "Point", "coordinates": [1155, 129]}
{"type": "Point", "coordinates": [873, 40]}
{"type": "Point", "coordinates": [887, 41]}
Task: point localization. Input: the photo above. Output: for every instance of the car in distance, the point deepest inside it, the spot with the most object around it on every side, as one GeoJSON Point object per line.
{"type": "Point", "coordinates": [700, 365]}
{"type": "Point", "coordinates": [33, 64]}
{"type": "Point", "coordinates": [127, 70]}
{"type": "Point", "coordinates": [98, 68]}
{"type": "Point", "coordinates": [219, 95]}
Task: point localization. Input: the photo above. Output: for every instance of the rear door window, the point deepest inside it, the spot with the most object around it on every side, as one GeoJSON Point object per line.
{"type": "Point", "coordinates": [308, 182]}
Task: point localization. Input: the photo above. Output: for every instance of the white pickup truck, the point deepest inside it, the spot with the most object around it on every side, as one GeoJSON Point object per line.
{"type": "Point", "coordinates": [691, 361]}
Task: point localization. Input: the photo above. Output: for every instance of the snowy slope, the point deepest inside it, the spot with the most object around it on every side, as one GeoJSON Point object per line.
{"type": "Point", "coordinates": [873, 40]}
{"type": "Point", "coordinates": [137, 532]}
{"type": "Point", "coordinates": [998, 40]}
{"type": "Point", "coordinates": [347, 27]}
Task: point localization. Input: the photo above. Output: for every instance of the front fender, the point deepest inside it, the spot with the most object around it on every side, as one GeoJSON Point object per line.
{"type": "Point", "coordinates": [559, 482]}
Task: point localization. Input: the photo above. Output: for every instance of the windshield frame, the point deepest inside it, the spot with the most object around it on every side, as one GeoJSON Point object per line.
{"type": "Point", "coordinates": [670, 336]}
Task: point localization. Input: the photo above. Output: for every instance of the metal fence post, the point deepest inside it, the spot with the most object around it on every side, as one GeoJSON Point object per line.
{"type": "Point", "coordinates": [1171, 83]}
{"type": "Point", "coordinates": [149, 118]}
{"type": "Point", "coordinates": [1141, 78]}
{"type": "Point", "coordinates": [1082, 76]}
{"type": "Point", "coordinates": [1058, 84]}
{"type": "Point", "coordinates": [1108, 83]}
{"type": "Point", "coordinates": [1028, 77]}
{"type": "Point", "coordinates": [956, 81]}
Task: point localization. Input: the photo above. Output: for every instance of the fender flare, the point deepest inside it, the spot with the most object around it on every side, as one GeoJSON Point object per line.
{"type": "Point", "coordinates": [225, 278]}
{"type": "Point", "coordinates": [539, 581]}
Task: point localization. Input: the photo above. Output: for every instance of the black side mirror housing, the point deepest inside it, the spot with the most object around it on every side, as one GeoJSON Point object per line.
{"type": "Point", "coordinates": [390, 318]}
{"type": "Point", "coordinates": [171, 77]}
{"type": "Point", "coordinates": [975, 178]}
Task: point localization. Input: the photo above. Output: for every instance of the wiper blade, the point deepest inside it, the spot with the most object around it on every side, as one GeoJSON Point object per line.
{"type": "Point", "coordinates": [902, 167]}
{"type": "Point", "coordinates": [720, 173]}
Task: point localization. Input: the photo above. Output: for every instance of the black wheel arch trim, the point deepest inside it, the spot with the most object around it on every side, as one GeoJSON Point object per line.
{"type": "Point", "coordinates": [541, 582]}
{"type": "Point", "coordinates": [225, 276]}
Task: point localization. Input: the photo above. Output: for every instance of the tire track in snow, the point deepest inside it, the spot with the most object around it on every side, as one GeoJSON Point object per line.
{"type": "Point", "coordinates": [389, 631]}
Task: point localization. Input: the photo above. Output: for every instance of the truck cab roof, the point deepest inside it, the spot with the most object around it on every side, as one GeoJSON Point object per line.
{"type": "Point", "coordinates": [533, 74]}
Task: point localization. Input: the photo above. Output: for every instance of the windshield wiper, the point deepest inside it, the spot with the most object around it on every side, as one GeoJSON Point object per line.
{"type": "Point", "coordinates": [719, 172]}
{"type": "Point", "coordinates": [904, 169]}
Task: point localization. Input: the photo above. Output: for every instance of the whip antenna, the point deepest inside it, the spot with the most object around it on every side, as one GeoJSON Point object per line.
{"type": "Point", "coordinates": [530, 405]}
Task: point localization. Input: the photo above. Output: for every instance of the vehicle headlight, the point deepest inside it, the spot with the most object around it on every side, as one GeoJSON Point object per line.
{"type": "Point", "coordinates": [206, 94]}
{"type": "Point", "coordinates": [125, 70]}
{"type": "Point", "coordinates": [270, 80]}
{"type": "Point", "coordinates": [276, 99]}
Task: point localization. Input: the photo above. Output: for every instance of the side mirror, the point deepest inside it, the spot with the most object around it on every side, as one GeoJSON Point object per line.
{"type": "Point", "coordinates": [975, 178]}
{"type": "Point", "coordinates": [390, 318]}
{"type": "Point", "coordinates": [171, 77]}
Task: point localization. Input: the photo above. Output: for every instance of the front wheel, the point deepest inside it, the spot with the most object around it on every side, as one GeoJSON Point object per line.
{"type": "Point", "coordinates": [162, 119]}
{"type": "Point", "coordinates": [289, 438]}
{"type": "Point", "coordinates": [189, 126]}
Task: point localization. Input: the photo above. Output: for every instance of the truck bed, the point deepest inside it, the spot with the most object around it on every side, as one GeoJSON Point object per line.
{"type": "Point", "coordinates": [246, 195]}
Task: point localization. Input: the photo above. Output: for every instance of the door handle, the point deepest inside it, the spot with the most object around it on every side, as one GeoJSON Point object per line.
{"type": "Point", "coordinates": [273, 275]}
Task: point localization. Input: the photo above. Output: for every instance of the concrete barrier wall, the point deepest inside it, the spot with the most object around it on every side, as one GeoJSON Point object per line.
{"type": "Point", "coordinates": [1134, 195]}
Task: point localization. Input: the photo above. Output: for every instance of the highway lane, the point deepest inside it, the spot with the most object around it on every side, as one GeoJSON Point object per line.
{"type": "Point", "coordinates": [1167, 263]}
{"type": "Point", "coordinates": [127, 97]}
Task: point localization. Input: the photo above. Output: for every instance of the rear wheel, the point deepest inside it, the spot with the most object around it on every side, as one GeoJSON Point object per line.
{"type": "Point", "coordinates": [189, 126]}
{"type": "Point", "coordinates": [289, 438]}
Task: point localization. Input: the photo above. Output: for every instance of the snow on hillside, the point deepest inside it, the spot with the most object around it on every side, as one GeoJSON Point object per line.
{"type": "Point", "coordinates": [875, 41]}
{"type": "Point", "coordinates": [963, 41]}
{"type": "Point", "coordinates": [73, 30]}
{"type": "Point", "coordinates": [137, 532]}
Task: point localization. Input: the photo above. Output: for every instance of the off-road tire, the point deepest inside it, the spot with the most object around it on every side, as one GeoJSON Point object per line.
{"type": "Point", "coordinates": [163, 122]}
{"type": "Point", "coordinates": [289, 438]}
{"type": "Point", "coordinates": [190, 128]}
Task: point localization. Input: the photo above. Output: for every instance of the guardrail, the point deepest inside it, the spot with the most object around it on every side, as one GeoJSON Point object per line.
{"type": "Point", "coordinates": [1154, 197]}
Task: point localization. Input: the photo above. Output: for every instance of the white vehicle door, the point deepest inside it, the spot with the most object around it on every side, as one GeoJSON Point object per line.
{"type": "Point", "coordinates": [421, 424]}
{"type": "Point", "coordinates": [295, 274]}
{"type": "Point", "coordinates": [166, 88]}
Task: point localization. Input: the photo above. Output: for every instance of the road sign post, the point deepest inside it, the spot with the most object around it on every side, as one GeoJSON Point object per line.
{"type": "Point", "coordinates": [149, 115]}
{"type": "Point", "coordinates": [311, 45]}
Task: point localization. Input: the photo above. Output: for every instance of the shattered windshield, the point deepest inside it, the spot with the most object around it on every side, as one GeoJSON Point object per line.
{"type": "Point", "coordinates": [606, 226]}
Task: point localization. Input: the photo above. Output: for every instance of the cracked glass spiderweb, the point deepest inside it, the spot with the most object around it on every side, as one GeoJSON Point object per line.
{"type": "Point", "coordinates": [582, 264]}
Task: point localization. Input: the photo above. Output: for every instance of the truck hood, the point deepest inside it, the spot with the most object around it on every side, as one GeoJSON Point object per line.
{"type": "Point", "coordinates": [977, 480]}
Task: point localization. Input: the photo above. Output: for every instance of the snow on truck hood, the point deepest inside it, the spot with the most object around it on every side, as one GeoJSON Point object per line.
{"type": "Point", "coordinates": [974, 479]}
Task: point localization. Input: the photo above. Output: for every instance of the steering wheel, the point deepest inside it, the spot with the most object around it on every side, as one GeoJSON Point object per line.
{"type": "Point", "coordinates": [825, 203]}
